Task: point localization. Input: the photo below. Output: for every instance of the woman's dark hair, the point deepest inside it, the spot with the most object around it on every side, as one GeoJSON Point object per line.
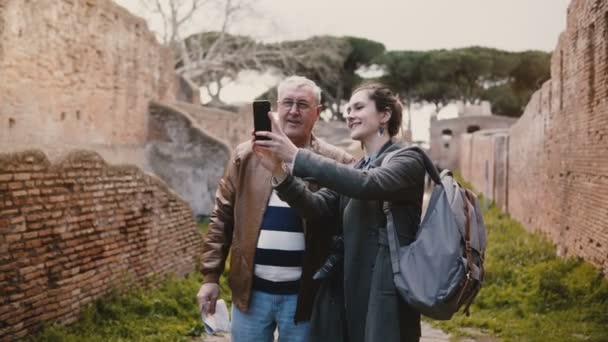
{"type": "Point", "coordinates": [385, 100]}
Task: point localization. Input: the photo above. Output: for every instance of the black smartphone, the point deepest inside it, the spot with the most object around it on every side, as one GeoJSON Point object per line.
{"type": "Point", "coordinates": [261, 121]}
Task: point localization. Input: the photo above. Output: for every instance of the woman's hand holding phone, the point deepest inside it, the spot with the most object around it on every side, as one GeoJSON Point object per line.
{"type": "Point", "coordinates": [276, 141]}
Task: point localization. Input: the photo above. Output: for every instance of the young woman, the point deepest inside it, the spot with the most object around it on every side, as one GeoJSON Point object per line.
{"type": "Point", "coordinates": [373, 309]}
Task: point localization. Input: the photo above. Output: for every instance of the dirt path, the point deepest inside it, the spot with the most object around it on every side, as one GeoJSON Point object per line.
{"type": "Point", "coordinates": [429, 334]}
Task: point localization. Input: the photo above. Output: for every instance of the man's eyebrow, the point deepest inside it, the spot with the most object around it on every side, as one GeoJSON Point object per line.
{"type": "Point", "coordinates": [295, 100]}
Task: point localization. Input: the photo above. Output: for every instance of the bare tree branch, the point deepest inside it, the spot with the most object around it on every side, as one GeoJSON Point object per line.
{"type": "Point", "coordinates": [210, 59]}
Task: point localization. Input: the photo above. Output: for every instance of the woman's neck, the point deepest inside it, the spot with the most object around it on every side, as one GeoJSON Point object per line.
{"type": "Point", "coordinates": [374, 143]}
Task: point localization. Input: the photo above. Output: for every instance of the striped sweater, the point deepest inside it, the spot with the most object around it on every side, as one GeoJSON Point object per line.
{"type": "Point", "coordinates": [280, 249]}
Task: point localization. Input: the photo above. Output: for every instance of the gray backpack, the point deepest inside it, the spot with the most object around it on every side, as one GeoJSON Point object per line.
{"type": "Point", "coordinates": [442, 269]}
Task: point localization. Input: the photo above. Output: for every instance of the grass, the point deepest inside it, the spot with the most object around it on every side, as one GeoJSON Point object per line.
{"type": "Point", "coordinates": [531, 294]}
{"type": "Point", "coordinates": [168, 312]}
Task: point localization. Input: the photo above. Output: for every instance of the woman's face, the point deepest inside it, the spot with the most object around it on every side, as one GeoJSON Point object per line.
{"type": "Point", "coordinates": [362, 118]}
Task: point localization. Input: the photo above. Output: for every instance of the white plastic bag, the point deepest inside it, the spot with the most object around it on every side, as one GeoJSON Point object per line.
{"type": "Point", "coordinates": [219, 322]}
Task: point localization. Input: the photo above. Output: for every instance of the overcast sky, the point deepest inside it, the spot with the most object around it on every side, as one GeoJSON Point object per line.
{"type": "Point", "coordinates": [408, 24]}
{"type": "Point", "coordinates": [426, 24]}
{"type": "Point", "coordinates": [513, 25]}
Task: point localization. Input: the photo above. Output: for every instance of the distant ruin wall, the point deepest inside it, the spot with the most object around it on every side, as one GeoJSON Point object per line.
{"type": "Point", "coordinates": [484, 163]}
{"type": "Point", "coordinates": [73, 230]}
{"type": "Point", "coordinates": [78, 72]}
{"type": "Point", "coordinates": [230, 127]}
{"type": "Point", "coordinates": [558, 150]}
{"type": "Point", "coordinates": [446, 135]}
{"type": "Point", "coordinates": [558, 161]}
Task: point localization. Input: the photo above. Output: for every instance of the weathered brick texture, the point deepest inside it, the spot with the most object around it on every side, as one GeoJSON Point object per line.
{"type": "Point", "coordinates": [558, 159]}
{"type": "Point", "coordinates": [78, 72]}
{"type": "Point", "coordinates": [71, 231]}
{"type": "Point", "coordinates": [558, 150]}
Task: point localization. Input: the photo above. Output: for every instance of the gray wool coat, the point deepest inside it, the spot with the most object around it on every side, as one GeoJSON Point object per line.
{"type": "Point", "coordinates": [373, 310]}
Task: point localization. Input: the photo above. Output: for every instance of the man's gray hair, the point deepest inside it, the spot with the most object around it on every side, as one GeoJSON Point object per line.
{"type": "Point", "coordinates": [300, 81]}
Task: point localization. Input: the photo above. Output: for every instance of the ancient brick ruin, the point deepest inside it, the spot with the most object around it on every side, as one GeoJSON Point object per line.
{"type": "Point", "coordinates": [86, 81]}
{"type": "Point", "coordinates": [78, 84]}
{"type": "Point", "coordinates": [82, 72]}
{"type": "Point", "coordinates": [74, 229]}
{"type": "Point", "coordinates": [558, 150]}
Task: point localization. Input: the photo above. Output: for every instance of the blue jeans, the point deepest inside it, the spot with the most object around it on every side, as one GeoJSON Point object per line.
{"type": "Point", "coordinates": [266, 313]}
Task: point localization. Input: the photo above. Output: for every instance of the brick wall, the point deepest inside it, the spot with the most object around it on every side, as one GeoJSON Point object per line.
{"type": "Point", "coordinates": [558, 160]}
{"type": "Point", "coordinates": [558, 150]}
{"type": "Point", "coordinates": [73, 230]}
{"type": "Point", "coordinates": [78, 72]}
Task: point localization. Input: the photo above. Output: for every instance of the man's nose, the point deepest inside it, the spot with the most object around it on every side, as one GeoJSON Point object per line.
{"type": "Point", "coordinates": [293, 108]}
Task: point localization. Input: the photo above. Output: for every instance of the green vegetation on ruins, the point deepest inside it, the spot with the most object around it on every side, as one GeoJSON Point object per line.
{"type": "Point", "coordinates": [529, 294]}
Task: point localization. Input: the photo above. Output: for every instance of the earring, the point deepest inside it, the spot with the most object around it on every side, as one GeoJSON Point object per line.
{"type": "Point", "coordinates": [380, 131]}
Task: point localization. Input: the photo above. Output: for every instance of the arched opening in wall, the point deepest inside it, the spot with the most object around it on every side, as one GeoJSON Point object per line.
{"type": "Point", "coordinates": [11, 122]}
{"type": "Point", "coordinates": [473, 128]}
{"type": "Point", "coordinates": [446, 134]}
{"type": "Point", "coordinates": [77, 115]}
{"type": "Point", "coordinates": [62, 116]}
{"type": "Point", "coordinates": [446, 145]}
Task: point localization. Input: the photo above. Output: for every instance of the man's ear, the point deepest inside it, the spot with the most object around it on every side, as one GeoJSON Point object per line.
{"type": "Point", "coordinates": [320, 108]}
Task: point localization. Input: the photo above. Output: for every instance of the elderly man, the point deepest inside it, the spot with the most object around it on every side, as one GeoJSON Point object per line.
{"type": "Point", "coordinates": [274, 251]}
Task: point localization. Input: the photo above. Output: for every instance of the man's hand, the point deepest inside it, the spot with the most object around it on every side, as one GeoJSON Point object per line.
{"type": "Point", "coordinates": [207, 297]}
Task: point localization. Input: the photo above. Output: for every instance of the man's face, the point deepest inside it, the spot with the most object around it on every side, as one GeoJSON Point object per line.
{"type": "Point", "coordinates": [298, 112]}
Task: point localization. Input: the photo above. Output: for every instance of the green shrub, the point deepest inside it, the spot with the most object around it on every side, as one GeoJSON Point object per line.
{"type": "Point", "coordinates": [531, 294]}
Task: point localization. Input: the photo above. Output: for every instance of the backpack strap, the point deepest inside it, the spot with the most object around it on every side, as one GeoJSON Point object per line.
{"type": "Point", "coordinates": [446, 172]}
{"type": "Point", "coordinates": [393, 241]}
{"type": "Point", "coordinates": [428, 164]}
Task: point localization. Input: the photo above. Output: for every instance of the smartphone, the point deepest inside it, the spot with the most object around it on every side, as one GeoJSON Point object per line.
{"type": "Point", "coordinates": [261, 121]}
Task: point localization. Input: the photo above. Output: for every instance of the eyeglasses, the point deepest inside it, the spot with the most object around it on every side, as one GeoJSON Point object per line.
{"type": "Point", "coordinates": [301, 106]}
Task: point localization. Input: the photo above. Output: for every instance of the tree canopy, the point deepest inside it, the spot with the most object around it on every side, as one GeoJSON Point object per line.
{"type": "Point", "coordinates": [505, 79]}
{"type": "Point", "coordinates": [212, 58]}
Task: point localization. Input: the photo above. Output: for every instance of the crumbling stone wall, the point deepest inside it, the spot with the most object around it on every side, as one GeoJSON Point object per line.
{"type": "Point", "coordinates": [558, 160]}
{"type": "Point", "coordinates": [189, 159]}
{"type": "Point", "coordinates": [230, 127]}
{"type": "Point", "coordinates": [72, 230]}
{"type": "Point", "coordinates": [79, 73]}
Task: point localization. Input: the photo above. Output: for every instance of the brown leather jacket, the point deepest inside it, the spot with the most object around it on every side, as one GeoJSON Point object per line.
{"type": "Point", "coordinates": [240, 203]}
